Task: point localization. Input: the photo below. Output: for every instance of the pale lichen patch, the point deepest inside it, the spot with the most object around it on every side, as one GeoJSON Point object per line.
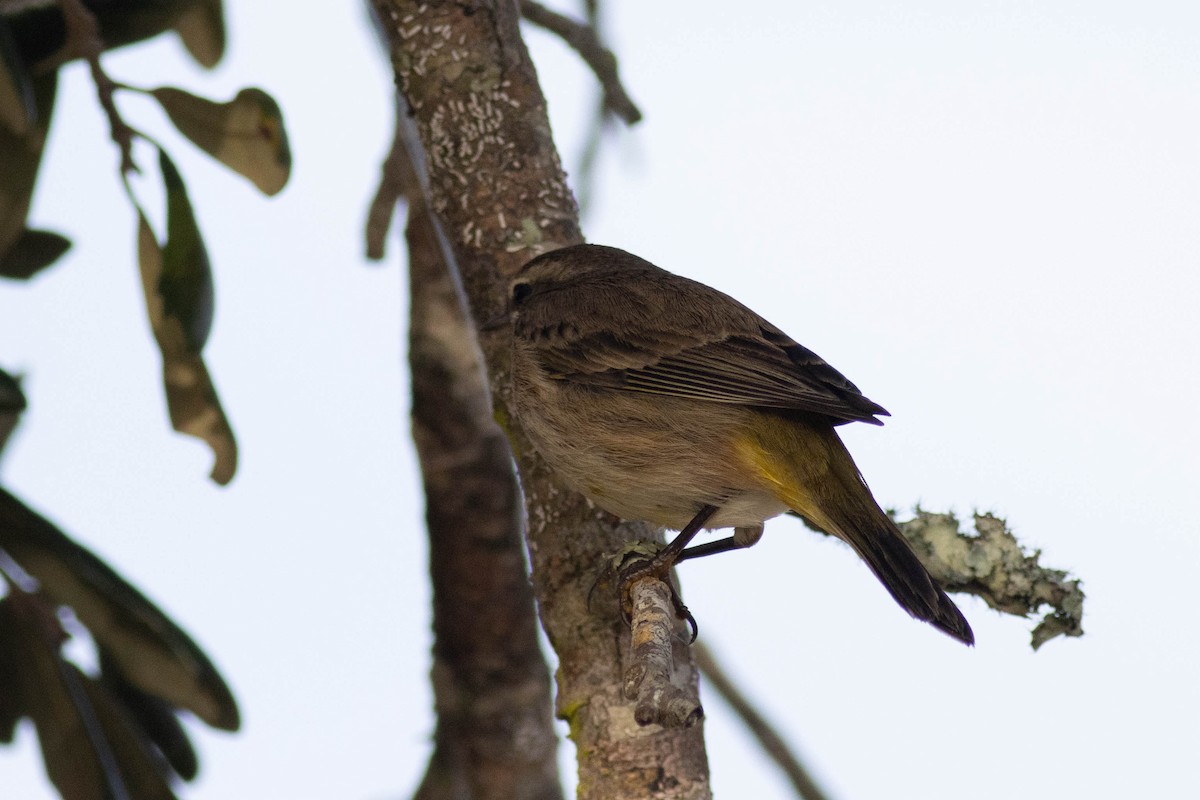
{"type": "Point", "coordinates": [993, 565]}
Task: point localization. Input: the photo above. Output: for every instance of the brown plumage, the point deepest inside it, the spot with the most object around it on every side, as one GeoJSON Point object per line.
{"type": "Point", "coordinates": [656, 396]}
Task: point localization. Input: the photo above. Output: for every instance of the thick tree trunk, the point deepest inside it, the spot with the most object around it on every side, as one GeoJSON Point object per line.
{"type": "Point", "coordinates": [498, 189]}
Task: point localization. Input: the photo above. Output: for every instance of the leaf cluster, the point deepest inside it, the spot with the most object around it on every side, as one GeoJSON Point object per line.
{"type": "Point", "coordinates": [114, 731]}
{"type": "Point", "coordinates": [245, 134]}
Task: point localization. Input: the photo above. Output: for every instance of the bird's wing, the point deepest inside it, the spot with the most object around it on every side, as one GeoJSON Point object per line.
{"type": "Point", "coordinates": [763, 368]}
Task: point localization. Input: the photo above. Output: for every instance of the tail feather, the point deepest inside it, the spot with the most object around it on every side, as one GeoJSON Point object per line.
{"type": "Point", "coordinates": [893, 561]}
{"type": "Point", "coordinates": [828, 489]}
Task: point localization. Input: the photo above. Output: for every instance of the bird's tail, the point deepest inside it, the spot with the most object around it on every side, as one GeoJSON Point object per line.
{"type": "Point", "coordinates": [826, 488]}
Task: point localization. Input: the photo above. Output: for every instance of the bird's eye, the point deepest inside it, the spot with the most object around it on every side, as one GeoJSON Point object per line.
{"type": "Point", "coordinates": [521, 291]}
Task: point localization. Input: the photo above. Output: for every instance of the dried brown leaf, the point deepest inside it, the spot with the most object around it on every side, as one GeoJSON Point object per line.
{"type": "Point", "coordinates": [191, 398]}
{"type": "Point", "coordinates": [89, 748]}
{"type": "Point", "coordinates": [245, 134]}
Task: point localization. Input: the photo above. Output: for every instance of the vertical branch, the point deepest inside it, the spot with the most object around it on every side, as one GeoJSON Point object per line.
{"type": "Point", "coordinates": [495, 736]}
{"type": "Point", "coordinates": [497, 187]}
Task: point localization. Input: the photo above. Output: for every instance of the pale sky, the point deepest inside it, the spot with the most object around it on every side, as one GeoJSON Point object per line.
{"type": "Point", "coordinates": [985, 214]}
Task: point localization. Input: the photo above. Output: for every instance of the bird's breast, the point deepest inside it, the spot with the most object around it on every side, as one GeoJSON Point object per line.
{"type": "Point", "coordinates": [642, 456]}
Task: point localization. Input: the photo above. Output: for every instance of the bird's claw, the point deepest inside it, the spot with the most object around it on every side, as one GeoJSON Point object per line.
{"type": "Point", "coordinates": [640, 560]}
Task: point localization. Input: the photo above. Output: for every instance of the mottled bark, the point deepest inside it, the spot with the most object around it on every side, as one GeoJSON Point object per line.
{"type": "Point", "coordinates": [495, 737]}
{"type": "Point", "coordinates": [496, 185]}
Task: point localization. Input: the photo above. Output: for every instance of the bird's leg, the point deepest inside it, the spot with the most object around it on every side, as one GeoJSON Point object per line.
{"type": "Point", "coordinates": [742, 537]}
{"type": "Point", "coordinates": [679, 545]}
{"type": "Point", "coordinates": [659, 566]}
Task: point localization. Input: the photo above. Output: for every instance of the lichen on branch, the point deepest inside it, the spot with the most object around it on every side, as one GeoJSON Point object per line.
{"type": "Point", "coordinates": [993, 565]}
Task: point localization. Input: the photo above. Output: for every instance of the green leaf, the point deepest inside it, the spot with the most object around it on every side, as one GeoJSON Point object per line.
{"type": "Point", "coordinates": [191, 399]}
{"type": "Point", "coordinates": [202, 30]}
{"type": "Point", "coordinates": [18, 110]}
{"type": "Point", "coordinates": [154, 717]}
{"type": "Point", "coordinates": [12, 403]}
{"type": "Point", "coordinates": [19, 164]}
{"type": "Point", "coordinates": [124, 22]}
{"type": "Point", "coordinates": [31, 252]}
{"type": "Point", "coordinates": [144, 775]}
{"type": "Point", "coordinates": [12, 704]}
{"type": "Point", "coordinates": [33, 639]}
{"type": "Point", "coordinates": [89, 747]}
{"type": "Point", "coordinates": [186, 284]}
{"type": "Point", "coordinates": [39, 26]}
{"type": "Point", "coordinates": [152, 652]}
{"type": "Point", "coordinates": [12, 399]}
{"type": "Point", "coordinates": [245, 134]}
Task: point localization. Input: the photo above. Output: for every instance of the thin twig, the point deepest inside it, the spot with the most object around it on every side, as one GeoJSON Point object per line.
{"type": "Point", "coordinates": [394, 177]}
{"type": "Point", "coordinates": [83, 41]}
{"type": "Point", "coordinates": [770, 739]}
{"type": "Point", "coordinates": [582, 39]}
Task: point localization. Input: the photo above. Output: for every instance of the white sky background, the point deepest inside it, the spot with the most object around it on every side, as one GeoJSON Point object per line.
{"type": "Point", "coordinates": [987, 215]}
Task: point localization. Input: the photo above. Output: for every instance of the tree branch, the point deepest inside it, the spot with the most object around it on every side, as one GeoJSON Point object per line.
{"type": "Point", "coordinates": [83, 40]}
{"type": "Point", "coordinates": [663, 697]}
{"type": "Point", "coordinates": [394, 175]}
{"type": "Point", "coordinates": [497, 186]}
{"type": "Point", "coordinates": [582, 38]}
{"type": "Point", "coordinates": [495, 736]}
{"type": "Point", "coordinates": [993, 565]}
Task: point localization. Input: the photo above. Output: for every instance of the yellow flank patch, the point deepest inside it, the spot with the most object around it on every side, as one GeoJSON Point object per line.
{"type": "Point", "coordinates": [770, 468]}
{"type": "Point", "coordinates": [779, 474]}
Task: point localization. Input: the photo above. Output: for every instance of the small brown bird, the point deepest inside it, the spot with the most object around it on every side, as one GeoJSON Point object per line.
{"type": "Point", "coordinates": [665, 400]}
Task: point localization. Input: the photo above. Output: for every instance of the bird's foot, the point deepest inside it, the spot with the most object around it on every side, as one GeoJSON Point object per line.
{"type": "Point", "coordinates": [639, 560]}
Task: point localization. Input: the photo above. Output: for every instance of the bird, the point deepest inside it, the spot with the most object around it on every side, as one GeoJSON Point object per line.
{"type": "Point", "coordinates": [663, 399]}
